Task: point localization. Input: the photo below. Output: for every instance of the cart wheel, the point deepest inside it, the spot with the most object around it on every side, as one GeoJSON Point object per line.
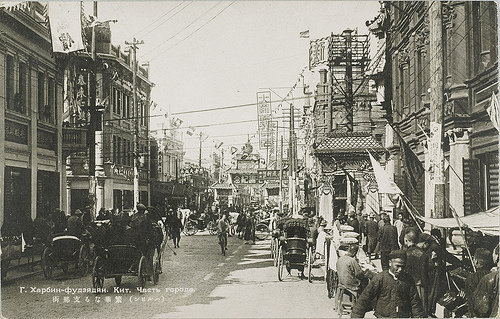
{"type": "Point", "coordinates": [47, 262]}
{"type": "Point", "coordinates": [98, 273]}
{"type": "Point", "coordinates": [118, 280]}
{"type": "Point", "coordinates": [83, 261]}
{"type": "Point", "coordinates": [280, 264]}
{"type": "Point", "coordinates": [261, 231]}
{"type": "Point", "coordinates": [310, 260]}
{"type": "Point", "coordinates": [276, 251]}
{"type": "Point", "coordinates": [141, 273]}
{"type": "Point", "coordinates": [271, 249]}
{"type": "Point", "coordinates": [156, 267]}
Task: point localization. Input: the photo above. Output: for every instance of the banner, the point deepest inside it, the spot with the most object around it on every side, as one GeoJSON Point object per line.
{"type": "Point", "coordinates": [492, 110]}
{"type": "Point", "coordinates": [264, 118]}
{"type": "Point", "coordinates": [318, 52]}
{"type": "Point", "coordinates": [65, 26]}
{"type": "Point", "coordinates": [385, 184]}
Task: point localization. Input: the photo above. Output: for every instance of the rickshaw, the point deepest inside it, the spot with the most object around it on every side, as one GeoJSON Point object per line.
{"type": "Point", "coordinates": [295, 248]}
{"type": "Point", "coordinates": [64, 250]}
{"type": "Point", "coordinates": [116, 261]}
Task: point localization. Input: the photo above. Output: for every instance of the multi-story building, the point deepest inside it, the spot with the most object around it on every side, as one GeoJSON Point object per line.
{"type": "Point", "coordinates": [345, 118]}
{"type": "Point", "coordinates": [469, 84]}
{"type": "Point", "coordinates": [31, 86]}
{"type": "Point", "coordinates": [167, 157]}
{"type": "Point", "coordinates": [115, 157]}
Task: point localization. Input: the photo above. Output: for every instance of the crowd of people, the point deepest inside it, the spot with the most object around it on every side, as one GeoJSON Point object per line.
{"type": "Point", "coordinates": [415, 267]}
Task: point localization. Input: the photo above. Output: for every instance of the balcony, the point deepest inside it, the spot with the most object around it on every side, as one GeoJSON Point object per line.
{"type": "Point", "coordinates": [74, 139]}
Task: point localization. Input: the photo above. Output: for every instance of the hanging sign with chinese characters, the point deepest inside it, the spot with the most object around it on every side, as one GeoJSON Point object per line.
{"type": "Point", "coordinates": [318, 52]}
{"type": "Point", "coordinates": [81, 90]}
{"type": "Point", "coordinates": [65, 26]}
{"type": "Point", "coordinates": [264, 117]}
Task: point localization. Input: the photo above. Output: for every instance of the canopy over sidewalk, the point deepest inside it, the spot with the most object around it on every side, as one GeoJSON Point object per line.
{"type": "Point", "coordinates": [487, 222]}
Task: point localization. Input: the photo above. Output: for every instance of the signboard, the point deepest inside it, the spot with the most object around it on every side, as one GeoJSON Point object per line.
{"type": "Point", "coordinates": [318, 52]}
{"type": "Point", "coordinates": [264, 117]}
{"type": "Point", "coordinates": [435, 151]}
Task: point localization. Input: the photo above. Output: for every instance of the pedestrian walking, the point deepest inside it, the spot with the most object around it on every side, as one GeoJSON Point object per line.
{"type": "Point", "coordinates": [388, 241]}
{"type": "Point", "coordinates": [399, 226]}
{"type": "Point", "coordinates": [417, 266]}
{"type": "Point", "coordinates": [371, 232]}
{"type": "Point", "coordinates": [175, 229]}
{"type": "Point", "coordinates": [353, 222]}
{"type": "Point", "coordinates": [391, 293]}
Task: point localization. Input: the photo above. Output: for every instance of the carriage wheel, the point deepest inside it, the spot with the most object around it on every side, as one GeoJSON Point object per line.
{"type": "Point", "coordinates": [261, 231]}
{"type": "Point", "coordinates": [310, 260]}
{"type": "Point", "coordinates": [212, 228]}
{"type": "Point", "coordinates": [98, 273]}
{"type": "Point", "coordinates": [47, 262]}
{"type": "Point", "coordinates": [65, 268]}
{"type": "Point", "coordinates": [156, 267]}
{"type": "Point", "coordinates": [118, 280]}
{"type": "Point", "coordinates": [141, 273]}
{"type": "Point", "coordinates": [280, 264]}
{"type": "Point", "coordinates": [271, 248]}
{"type": "Point", "coordinates": [276, 248]}
{"type": "Point", "coordinates": [232, 230]}
{"type": "Point", "coordinates": [83, 260]}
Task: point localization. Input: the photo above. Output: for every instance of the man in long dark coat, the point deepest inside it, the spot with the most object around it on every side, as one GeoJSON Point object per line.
{"type": "Point", "coordinates": [388, 241]}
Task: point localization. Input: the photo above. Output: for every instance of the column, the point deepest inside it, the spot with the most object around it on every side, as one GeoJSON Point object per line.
{"type": "Point", "coordinates": [61, 165]}
{"type": "Point", "coordinates": [32, 143]}
{"type": "Point", "coordinates": [100, 193]}
{"type": "Point", "coordinates": [67, 206]}
{"type": "Point", "coordinates": [459, 149]}
{"type": "Point", "coordinates": [2, 134]}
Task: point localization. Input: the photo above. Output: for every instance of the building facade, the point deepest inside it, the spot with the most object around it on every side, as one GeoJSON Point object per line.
{"type": "Point", "coordinates": [469, 84]}
{"type": "Point", "coordinates": [120, 123]}
{"type": "Point", "coordinates": [31, 105]}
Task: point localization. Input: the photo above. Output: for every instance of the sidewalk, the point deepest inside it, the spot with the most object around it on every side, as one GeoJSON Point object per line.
{"type": "Point", "coordinates": [21, 269]}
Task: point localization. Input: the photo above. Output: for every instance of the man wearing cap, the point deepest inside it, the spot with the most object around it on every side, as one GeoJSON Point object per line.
{"type": "Point", "coordinates": [417, 265]}
{"type": "Point", "coordinates": [142, 230]}
{"type": "Point", "coordinates": [371, 233]}
{"type": "Point", "coordinates": [351, 276]}
{"type": "Point", "coordinates": [485, 300]}
{"type": "Point", "coordinates": [388, 241]}
{"type": "Point", "coordinates": [353, 222]}
{"type": "Point", "coordinates": [392, 293]}
{"type": "Point", "coordinates": [483, 261]}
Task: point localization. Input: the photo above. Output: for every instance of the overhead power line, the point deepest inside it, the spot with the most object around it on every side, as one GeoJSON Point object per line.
{"type": "Point", "coordinates": [189, 35]}
{"type": "Point", "coordinates": [187, 26]}
{"type": "Point", "coordinates": [169, 18]}
{"type": "Point", "coordinates": [152, 23]}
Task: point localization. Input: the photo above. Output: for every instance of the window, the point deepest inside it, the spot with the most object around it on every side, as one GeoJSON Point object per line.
{"type": "Point", "coordinates": [9, 69]}
{"type": "Point", "coordinates": [119, 150]}
{"type": "Point", "coordinates": [115, 149]}
{"type": "Point", "coordinates": [115, 98]}
{"type": "Point", "coordinates": [43, 113]}
{"type": "Point", "coordinates": [21, 101]}
{"type": "Point", "coordinates": [126, 106]}
{"type": "Point", "coordinates": [119, 102]}
{"type": "Point", "coordinates": [51, 107]}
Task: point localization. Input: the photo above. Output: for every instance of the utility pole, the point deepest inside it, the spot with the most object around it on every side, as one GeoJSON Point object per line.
{"type": "Point", "coordinates": [281, 177]}
{"type": "Point", "coordinates": [293, 165]}
{"type": "Point", "coordinates": [348, 80]}
{"type": "Point", "coordinates": [199, 158]}
{"type": "Point", "coordinates": [133, 47]}
{"type": "Point", "coordinates": [93, 121]}
{"type": "Point", "coordinates": [436, 107]}
{"type": "Point", "coordinates": [221, 165]}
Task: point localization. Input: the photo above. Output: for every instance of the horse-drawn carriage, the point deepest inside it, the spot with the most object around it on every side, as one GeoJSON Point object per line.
{"type": "Point", "coordinates": [125, 252]}
{"type": "Point", "coordinates": [295, 248]}
{"type": "Point", "coordinates": [65, 250]}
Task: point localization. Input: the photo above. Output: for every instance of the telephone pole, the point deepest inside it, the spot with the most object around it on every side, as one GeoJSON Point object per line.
{"type": "Point", "coordinates": [93, 121]}
{"type": "Point", "coordinates": [133, 48]}
{"type": "Point", "coordinates": [436, 107]}
{"type": "Point", "coordinates": [199, 158]}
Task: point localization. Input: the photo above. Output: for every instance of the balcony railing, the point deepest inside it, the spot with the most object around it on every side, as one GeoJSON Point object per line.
{"type": "Point", "coordinates": [74, 139]}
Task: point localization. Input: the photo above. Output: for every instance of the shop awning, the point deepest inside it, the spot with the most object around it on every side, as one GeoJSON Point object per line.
{"type": "Point", "coordinates": [487, 222]}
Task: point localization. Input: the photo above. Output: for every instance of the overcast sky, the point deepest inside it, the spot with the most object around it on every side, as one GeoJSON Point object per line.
{"type": "Point", "coordinates": [207, 54]}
